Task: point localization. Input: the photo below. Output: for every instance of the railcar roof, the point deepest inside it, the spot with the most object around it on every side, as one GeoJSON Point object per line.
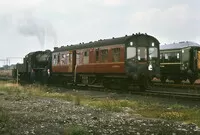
{"type": "Point", "coordinates": [101, 42]}
{"type": "Point", "coordinates": [179, 45]}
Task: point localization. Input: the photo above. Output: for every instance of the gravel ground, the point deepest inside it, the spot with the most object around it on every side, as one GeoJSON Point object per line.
{"type": "Point", "coordinates": [47, 116]}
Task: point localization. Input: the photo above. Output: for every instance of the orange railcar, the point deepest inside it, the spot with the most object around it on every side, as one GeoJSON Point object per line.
{"type": "Point", "coordinates": [125, 60]}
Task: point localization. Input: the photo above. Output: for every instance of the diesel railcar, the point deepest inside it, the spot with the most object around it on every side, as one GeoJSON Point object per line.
{"type": "Point", "coordinates": [180, 61]}
{"type": "Point", "coordinates": [122, 61]}
{"type": "Point", "coordinates": [36, 66]}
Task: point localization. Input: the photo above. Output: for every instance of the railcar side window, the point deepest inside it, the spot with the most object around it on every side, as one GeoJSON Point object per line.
{"type": "Point", "coordinates": [115, 54]}
{"type": "Point", "coordinates": [58, 62]}
{"type": "Point", "coordinates": [97, 54]}
{"type": "Point", "coordinates": [161, 57]}
{"type": "Point", "coordinates": [153, 53]}
{"type": "Point", "coordinates": [86, 53]}
{"type": "Point", "coordinates": [54, 59]}
{"type": "Point", "coordinates": [177, 55]}
{"type": "Point", "coordinates": [142, 54]}
{"type": "Point", "coordinates": [104, 55]}
{"type": "Point", "coordinates": [78, 59]}
{"type": "Point", "coordinates": [54, 56]}
{"type": "Point", "coordinates": [63, 55]}
{"type": "Point", "coordinates": [86, 57]}
{"type": "Point", "coordinates": [63, 59]}
{"type": "Point", "coordinates": [172, 57]}
{"type": "Point", "coordinates": [131, 53]}
{"type": "Point", "coordinates": [70, 58]}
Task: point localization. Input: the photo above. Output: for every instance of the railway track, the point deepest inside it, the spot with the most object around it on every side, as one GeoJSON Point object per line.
{"type": "Point", "coordinates": [157, 93]}
{"type": "Point", "coordinates": [170, 94]}
{"type": "Point", "coordinates": [194, 87]}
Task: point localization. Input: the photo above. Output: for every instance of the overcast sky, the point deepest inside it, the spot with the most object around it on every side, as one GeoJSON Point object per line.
{"type": "Point", "coordinates": [30, 25]}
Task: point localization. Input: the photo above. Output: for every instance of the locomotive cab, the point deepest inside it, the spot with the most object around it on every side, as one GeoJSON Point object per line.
{"type": "Point", "coordinates": [142, 60]}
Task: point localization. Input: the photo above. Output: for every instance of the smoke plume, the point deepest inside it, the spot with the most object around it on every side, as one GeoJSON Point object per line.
{"type": "Point", "coordinates": [31, 26]}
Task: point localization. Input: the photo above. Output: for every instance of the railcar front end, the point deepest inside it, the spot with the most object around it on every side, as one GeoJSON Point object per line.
{"type": "Point", "coordinates": [142, 59]}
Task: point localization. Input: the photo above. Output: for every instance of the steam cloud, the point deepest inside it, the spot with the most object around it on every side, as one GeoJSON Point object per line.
{"type": "Point", "coordinates": [31, 26]}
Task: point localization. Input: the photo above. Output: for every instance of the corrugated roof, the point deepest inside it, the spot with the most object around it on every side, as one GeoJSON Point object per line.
{"type": "Point", "coordinates": [101, 42]}
{"type": "Point", "coordinates": [179, 45]}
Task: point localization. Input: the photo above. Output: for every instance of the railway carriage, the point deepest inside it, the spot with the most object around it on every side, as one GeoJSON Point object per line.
{"type": "Point", "coordinates": [180, 61]}
{"type": "Point", "coordinates": [122, 61]}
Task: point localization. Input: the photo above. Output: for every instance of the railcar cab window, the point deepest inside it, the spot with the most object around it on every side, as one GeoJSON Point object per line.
{"type": "Point", "coordinates": [131, 53]}
{"type": "Point", "coordinates": [142, 54]}
{"type": "Point", "coordinates": [153, 53]}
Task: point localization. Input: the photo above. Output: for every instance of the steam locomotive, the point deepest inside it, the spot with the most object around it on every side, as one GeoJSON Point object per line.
{"type": "Point", "coordinates": [36, 66]}
{"type": "Point", "coordinates": [121, 62]}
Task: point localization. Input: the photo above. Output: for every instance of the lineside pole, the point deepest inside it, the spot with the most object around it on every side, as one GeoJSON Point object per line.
{"type": "Point", "coordinates": [17, 77]}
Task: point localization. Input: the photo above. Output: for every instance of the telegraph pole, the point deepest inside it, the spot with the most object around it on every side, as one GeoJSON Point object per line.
{"type": "Point", "coordinates": [9, 58]}
{"type": "Point", "coordinates": [4, 60]}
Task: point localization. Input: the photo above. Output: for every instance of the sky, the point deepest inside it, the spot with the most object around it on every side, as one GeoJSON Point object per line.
{"type": "Point", "coordinates": [32, 25]}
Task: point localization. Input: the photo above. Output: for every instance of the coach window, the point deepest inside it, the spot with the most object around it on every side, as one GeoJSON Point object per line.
{"type": "Point", "coordinates": [104, 55]}
{"type": "Point", "coordinates": [165, 57]}
{"type": "Point", "coordinates": [63, 55]}
{"type": "Point", "coordinates": [178, 57]}
{"type": "Point", "coordinates": [58, 62]}
{"type": "Point", "coordinates": [97, 54]}
{"type": "Point", "coordinates": [174, 57]}
{"type": "Point", "coordinates": [142, 54]}
{"type": "Point", "coordinates": [54, 59]}
{"type": "Point", "coordinates": [86, 57]}
{"type": "Point", "coordinates": [63, 59]}
{"type": "Point", "coordinates": [78, 59]}
{"type": "Point", "coordinates": [115, 54]}
{"type": "Point", "coordinates": [161, 57]}
{"type": "Point", "coordinates": [69, 55]}
{"type": "Point", "coordinates": [131, 52]}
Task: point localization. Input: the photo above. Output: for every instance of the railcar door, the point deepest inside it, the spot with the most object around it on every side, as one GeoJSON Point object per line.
{"type": "Point", "coordinates": [73, 60]}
